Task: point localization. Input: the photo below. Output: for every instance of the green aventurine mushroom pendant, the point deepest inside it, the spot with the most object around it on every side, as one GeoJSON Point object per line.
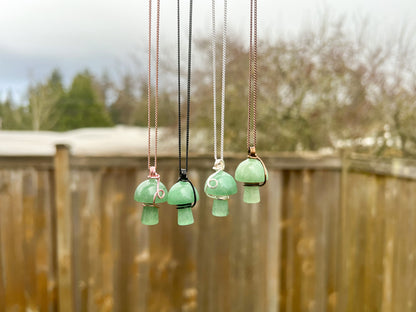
{"type": "Point", "coordinates": [151, 192]}
{"type": "Point", "coordinates": [253, 173]}
{"type": "Point", "coordinates": [184, 196]}
{"type": "Point", "coordinates": [219, 186]}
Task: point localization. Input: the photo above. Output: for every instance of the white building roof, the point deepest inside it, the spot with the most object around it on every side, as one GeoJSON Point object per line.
{"type": "Point", "coordinates": [119, 140]}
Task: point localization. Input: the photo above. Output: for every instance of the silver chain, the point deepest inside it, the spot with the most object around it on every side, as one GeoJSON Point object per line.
{"type": "Point", "coordinates": [214, 74]}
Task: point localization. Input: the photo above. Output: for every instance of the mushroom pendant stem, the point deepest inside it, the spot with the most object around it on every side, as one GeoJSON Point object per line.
{"type": "Point", "coordinates": [219, 186]}
{"type": "Point", "coordinates": [253, 173]}
{"type": "Point", "coordinates": [150, 215]}
{"type": "Point", "coordinates": [151, 192]}
{"type": "Point", "coordinates": [220, 208]}
{"type": "Point", "coordinates": [251, 194]}
{"type": "Point", "coordinates": [185, 216]}
{"type": "Point", "coordinates": [184, 196]}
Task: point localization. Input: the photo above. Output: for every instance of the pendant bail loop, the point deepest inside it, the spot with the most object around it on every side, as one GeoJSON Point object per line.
{"type": "Point", "coordinates": [183, 175]}
{"type": "Point", "coordinates": [252, 152]}
{"type": "Point", "coordinates": [219, 164]}
{"type": "Point", "coordinates": [152, 173]}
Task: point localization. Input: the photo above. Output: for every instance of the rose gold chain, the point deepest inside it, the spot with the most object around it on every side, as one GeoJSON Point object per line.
{"type": "Point", "coordinates": [149, 88]}
{"type": "Point", "coordinates": [252, 81]}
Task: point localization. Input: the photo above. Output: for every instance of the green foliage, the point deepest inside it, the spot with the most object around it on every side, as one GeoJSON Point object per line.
{"type": "Point", "coordinates": [11, 116]}
{"type": "Point", "coordinates": [43, 99]}
{"type": "Point", "coordinates": [123, 110]}
{"type": "Point", "coordinates": [80, 106]}
{"type": "Point", "coordinates": [318, 89]}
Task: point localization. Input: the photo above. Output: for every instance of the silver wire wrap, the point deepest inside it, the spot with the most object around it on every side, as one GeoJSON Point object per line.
{"type": "Point", "coordinates": [208, 184]}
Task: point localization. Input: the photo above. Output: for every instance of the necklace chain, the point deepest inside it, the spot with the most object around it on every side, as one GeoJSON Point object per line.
{"type": "Point", "coordinates": [214, 74]}
{"type": "Point", "coordinates": [252, 84]}
{"type": "Point", "coordinates": [188, 92]}
{"type": "Point", "coordinates": [149, 84]}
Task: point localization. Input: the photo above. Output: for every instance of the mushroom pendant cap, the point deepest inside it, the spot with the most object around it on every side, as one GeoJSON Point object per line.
{"type": "Point", "coordinates": [253, 173]}
{"type": "Point", "coordinates": [146, 193]}
{"type": "Point", "coordinates": [251, 170]}
{"type": "Point", "coordinates": [183, 195]}
{"type": "Point", "coordinates": [220, 185]}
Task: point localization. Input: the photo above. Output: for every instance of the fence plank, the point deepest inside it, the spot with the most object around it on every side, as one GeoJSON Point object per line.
{"type": "Point", "coordinates": [327, 188]}
{"type": "Point", "coordinates": [46, 266]}
{"type": "Point", "coordinates": [213, 282]}
{"type": "Point", "coordinates": [391, 197]}
{"type": "Point", "coordinates": [273, 210]}
{"type": "Point", "coordinates": [11, 219]}
{"type": "Point", "coordinates": [29, 210]}
{"type": "Point", "coordinates": [320, 240]}
{"type": "Point", "coordinates": [373, 234]}
{"type": "Point", "coordinates": [64, 228]}
{"type": "Point", "coordinates": [3, 197]}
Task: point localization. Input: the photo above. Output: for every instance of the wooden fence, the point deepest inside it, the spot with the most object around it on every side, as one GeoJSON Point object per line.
{"type": "Point", "coordinates": [330, 234]}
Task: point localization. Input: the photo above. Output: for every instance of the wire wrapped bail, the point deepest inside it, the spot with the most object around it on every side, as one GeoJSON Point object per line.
{"type": "Point", "coordinates": [219, 164]}
{"type": "Point", "coordinates": [252, 152]}
{"type": "Point", "coordinates": [152, 173]}
{"type": "Point", "coordinates": [160, 193]}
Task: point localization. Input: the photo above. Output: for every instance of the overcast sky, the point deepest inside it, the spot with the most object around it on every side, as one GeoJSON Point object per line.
{"type": "Point", "coordinates": [39, 35]}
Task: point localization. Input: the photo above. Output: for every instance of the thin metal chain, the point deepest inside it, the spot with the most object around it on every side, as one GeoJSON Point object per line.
{"type": "Point", "coordinates": [224, 62]}
{"type": "Point", "coordinates": [149, 88]}
{"type": "Point", "coordinates": [252, 85]}
{"type": "Point", "coordinates": [188, 93]}
{"type": "Point", "coordinates": [157, 77]}
{"type": "Point", "coordinates": [214, 74]}
{"type": "Point", "coordinates": [188, 100]}
{"type": "Point", "coordinates": [179, 88]}
{"type": "Point", "coordinates": [255, 76]}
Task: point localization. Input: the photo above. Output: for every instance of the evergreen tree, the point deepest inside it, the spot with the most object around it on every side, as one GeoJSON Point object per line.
{"type": "Point", "coordinates": [123, 110]}
{"type": "Point", "coordinates": [81, 107]}
{"type": "Point", "coordinates": [12, 117]}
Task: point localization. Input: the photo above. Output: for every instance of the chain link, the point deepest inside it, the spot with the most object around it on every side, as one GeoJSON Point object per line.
{"type": "Point", "coordinates": [214, 75]}
{"type": "Point", "coordinates": [252, 84]}
{"type": "Point", "coordinates": [188, 92]}
{"type": "Point", "coordinates": [149, 85]}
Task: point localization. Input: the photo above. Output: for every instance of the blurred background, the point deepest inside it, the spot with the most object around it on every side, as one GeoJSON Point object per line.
{"type": "Point", "coordinates": [332, 74]}
{"type": "Point", "coordinates": [335, 230]}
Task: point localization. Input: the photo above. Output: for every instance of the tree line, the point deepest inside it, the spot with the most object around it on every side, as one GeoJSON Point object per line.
{"type": "Point", "coordinates": [324, 87]}
{"type": "Point", "coordinates": [85, 103]}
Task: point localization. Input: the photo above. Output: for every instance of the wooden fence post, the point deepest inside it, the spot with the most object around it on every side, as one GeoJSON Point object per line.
{"type": "Point", "coordinates": [63, 228]}
{"type": "Point", "coordinates": [342, 292]}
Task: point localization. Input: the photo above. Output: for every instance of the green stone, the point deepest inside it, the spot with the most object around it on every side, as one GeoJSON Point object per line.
{"type": "Point", "coordinates": [150, 215]}
{"type": "Point", "coordinates": [220, 208]}
{"type": "Point", "coordinates": [226, 184]}
{"type": "Point", "coordinates": [185, 216]}
{"type": "Point", "coordinates": [251, 194]}
{"type": "Point", "coordinates": [146, 190]}
{"type": "Point", "coordinates": [250, 171]}
{"type": "Point", "coordinates": [217, 185]}
{"type": "Point", "coordinates": [181, 193]}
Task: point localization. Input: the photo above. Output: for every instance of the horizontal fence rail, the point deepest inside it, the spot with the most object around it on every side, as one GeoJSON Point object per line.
{"type": "Point", "coordinates": [330, 234]}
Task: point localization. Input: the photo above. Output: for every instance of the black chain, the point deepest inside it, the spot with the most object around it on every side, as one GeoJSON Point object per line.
{"type": "Point", "coordinates": [188, 97]}
{"type": "Point", "coordinates": [188, 101]}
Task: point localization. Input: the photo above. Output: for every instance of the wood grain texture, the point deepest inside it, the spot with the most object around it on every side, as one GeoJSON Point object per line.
{"type": "Point", "coordinates": [64, 229]}
{"type": "Point", "coordinates": [330, 235]}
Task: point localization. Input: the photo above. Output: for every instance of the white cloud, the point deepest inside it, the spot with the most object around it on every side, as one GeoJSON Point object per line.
{"type": "Point", "coordinates": [39, 35]}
